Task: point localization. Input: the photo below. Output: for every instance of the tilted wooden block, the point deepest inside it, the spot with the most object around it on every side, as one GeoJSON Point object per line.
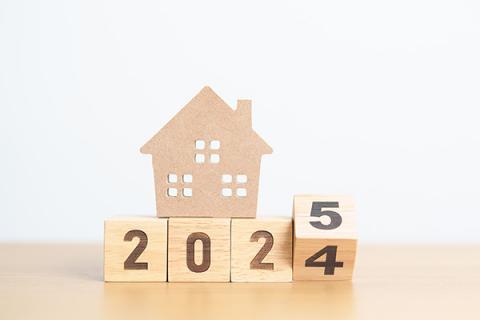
{"type": "Point", "coordinates": [325, 238]}
{"type": "Point", "coordinates": [135, 249]}
{"type": "Point", "coordinates": [261, 250]}
{"type": "Point", "coordinates": [199, 250]}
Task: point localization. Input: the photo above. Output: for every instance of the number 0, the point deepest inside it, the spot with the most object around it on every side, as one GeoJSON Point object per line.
{"type": "Point", "coordinates": [206, 256]}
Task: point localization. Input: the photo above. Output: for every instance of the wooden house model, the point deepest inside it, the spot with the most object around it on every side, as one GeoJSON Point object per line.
{"type": "Point", "coordinates": [206, 160]}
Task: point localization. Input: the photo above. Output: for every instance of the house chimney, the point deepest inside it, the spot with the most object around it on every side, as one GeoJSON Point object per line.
{"type": "Point", "coordinates": [244, 112]}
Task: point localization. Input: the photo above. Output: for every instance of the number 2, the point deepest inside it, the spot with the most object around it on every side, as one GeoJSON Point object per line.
{"type": "Point", "coordinates": [257, 262]}
{"type": "Point", "coordinates": [330, 262]}
{"type": "Point", "coordinates": [131, 262]}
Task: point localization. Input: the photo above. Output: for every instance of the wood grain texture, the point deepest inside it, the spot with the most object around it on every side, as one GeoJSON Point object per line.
{"type": "Point", "coordinates": [245, 249]}
{"type": "Point", "coordinates": [218, 232]}
{"type": "Point", "coordinates": [395, 282]}
{"type": "Point", "coordinates": [122, 238]}
{"type": "Point", "coordinates": [310, 240]}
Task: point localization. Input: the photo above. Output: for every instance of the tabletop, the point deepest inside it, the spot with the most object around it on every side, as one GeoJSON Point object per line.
{"type": "Point", "coordinates": [65, 281]}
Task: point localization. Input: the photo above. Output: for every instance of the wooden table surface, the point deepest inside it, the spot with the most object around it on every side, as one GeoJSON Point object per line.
{"type": "Point", "coordinates": [391, 282]}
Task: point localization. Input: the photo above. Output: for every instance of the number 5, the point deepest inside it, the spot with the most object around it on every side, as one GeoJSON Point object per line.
{"type": "Point", "coordinates": [335, 218]}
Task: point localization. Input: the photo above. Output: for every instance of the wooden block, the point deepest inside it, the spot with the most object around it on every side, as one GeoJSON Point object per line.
{"type": "Point", "coordinates": [135, 249]}
{"type": "Point", "coordinates": [199, 250]}
{"type": "Point", "coordinates": [262, 250]}
{"type": "Point", "coordinates": [325, 238]}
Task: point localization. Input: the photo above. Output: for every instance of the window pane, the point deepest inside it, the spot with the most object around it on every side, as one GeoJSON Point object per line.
{"type": "Point", "coordinates": [226, 178]}
{"type": "Point", "coordinates": [214, 158]}
{"type": "Point", "coordinates": [199, 144]}
{"type": "Point", "coordinates": [241, 192]}
{"type": "Point", "coordinates": [172, 192]}
{"type": "Point", "coordinates": [226, 192]}
{"type": "Point", "coordinates": [241, 178]}
{"type": "Point", "coordinates": [215, 145]}
{"type": "Point", "coordinates": [199, 158]}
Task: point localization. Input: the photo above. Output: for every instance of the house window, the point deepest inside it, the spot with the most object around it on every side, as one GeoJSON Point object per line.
{"type": "Point", "coordinates": [214, 158]}
{"type": "Point", "coordinates": [241, 192]}
{"type": "Point", "coordinates": [241, 178]}
{"type": "Point", "coordinates": [200, 144]}
{"type": "Point", "coordinates": [229, 185]}
{"type": "Point", "coordinates": [175, 186]}
{"type": "Point", "coordinates": [172, 192]}
{"type": "Point", "coordinates": [226, 192]}
{"type": "Point", "coordinates": [212, 154]}
{"type": "Point", "coordinates": [199, 158]}
{"type": "Point", "coordinates": [187, 192]}
{"type": "Point", "coordinates": [214, 145]}
{"type": "Point", "coordinates": [226, 178]}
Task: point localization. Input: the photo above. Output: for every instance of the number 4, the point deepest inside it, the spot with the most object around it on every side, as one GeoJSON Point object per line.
{"type": "Point", "coordinates": [330, 262]}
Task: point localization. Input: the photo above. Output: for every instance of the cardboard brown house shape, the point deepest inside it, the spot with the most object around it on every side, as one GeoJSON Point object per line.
{"type": "Point", "coordinates": [206, 160]}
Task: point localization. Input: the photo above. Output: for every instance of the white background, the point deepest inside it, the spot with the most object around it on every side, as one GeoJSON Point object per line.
{"type": "Point", "coordinates": [378, 99]}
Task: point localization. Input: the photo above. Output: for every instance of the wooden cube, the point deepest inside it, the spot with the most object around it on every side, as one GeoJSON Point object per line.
{"type": "Point", "coordinates": [325, 238]}
{"type": "Point", "coordinates": [135, 249]}
{"type": "Point", "coordinates": [261, 250]}
{"type": "Point", "coordinates": [199, 250]}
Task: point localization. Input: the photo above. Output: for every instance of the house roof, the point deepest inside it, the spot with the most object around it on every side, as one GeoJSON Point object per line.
{"type": "Point", "coordinates": [205, 103]}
